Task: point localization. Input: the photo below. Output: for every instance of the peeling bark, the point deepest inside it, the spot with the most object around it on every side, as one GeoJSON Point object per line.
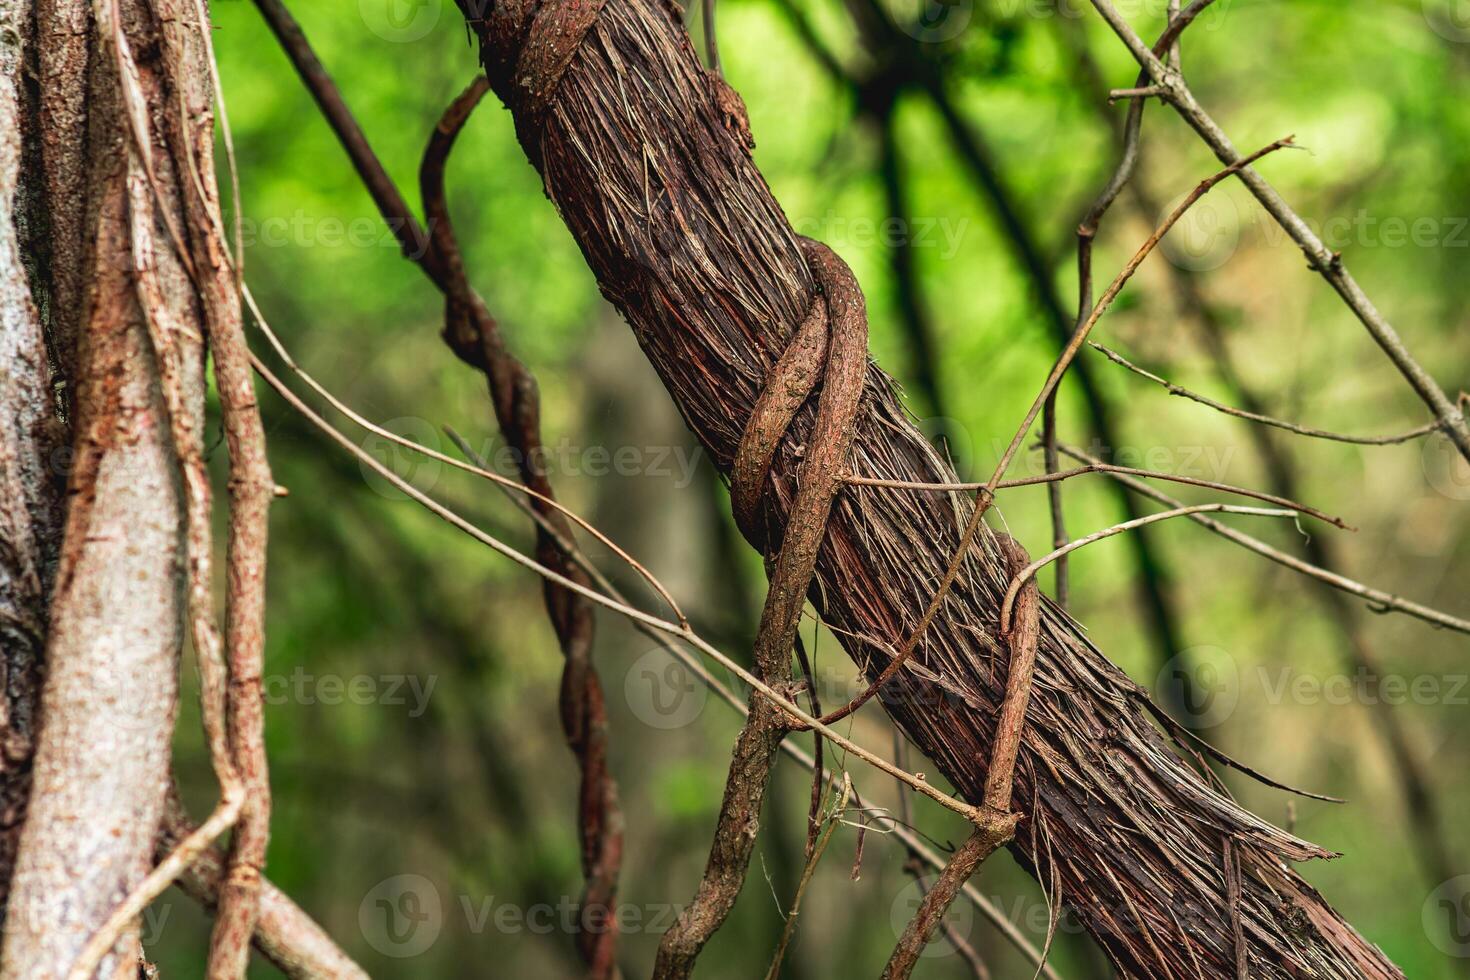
{"type": "Point", "coordinates": [30, 498]}
{"type": "Point", "coordinates": [654, 180]}
{"type": "Point", "coordinates": [109, 699]}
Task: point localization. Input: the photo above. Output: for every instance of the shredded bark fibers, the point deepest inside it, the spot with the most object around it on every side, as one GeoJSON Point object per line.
{"type": "Point", "coordinates": [647, 160]}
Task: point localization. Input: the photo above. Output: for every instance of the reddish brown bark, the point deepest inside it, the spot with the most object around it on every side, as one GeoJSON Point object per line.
{"type": "Point", "coordinates": [650, 170]}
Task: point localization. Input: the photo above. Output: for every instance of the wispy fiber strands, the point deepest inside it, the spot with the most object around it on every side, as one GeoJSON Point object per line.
{"type": "Point", "coordinates": [644, 154]}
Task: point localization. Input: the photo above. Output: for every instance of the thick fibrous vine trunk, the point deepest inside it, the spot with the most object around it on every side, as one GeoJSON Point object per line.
{"type": "Point", "coordinates": [644, 155]}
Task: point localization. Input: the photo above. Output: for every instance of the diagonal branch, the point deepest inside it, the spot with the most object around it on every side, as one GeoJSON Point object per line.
{"type": "Point", "coordinates": [1377, 599]}
{"type": "Point", "coordinates": [1329, 264]}
{"type": "Point", "coordinates": [1301, 430]}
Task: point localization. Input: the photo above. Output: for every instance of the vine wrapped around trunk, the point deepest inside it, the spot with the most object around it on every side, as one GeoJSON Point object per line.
{"type": "Point", "coordinates": [646, 157]}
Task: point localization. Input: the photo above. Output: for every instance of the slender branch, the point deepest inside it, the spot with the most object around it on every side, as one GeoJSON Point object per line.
{"type": "Point", "coordinates": [916, 935]}
{"type": "Point", "coordinates": [1410, 767]}
{"type": "Point", "coordinates": [1040, 563]}
{"type": "Point", "coordinates": [1301, 430]}
{"type": "Point", "coordinates": [250, 487]}
{"type": "Point", "coordinates": [1000, 827]}
{"type": "Point", "coordinates": [1052, 463]}
{"type": "Point", "coordinates": [711, 43]}
{"type": "Point", "coordinates": [401, 220]}
{"type": "Point", "coordinates": [283, 933]}
{"type": "Point", "coordinates": [1327, 263]}
{"type": "Point", "coordinates": [815, 858]}
{"type": "Point", "coordinates": [1378, 600]}
{"type": "Point", "coordinates": [673, 629]}
{"type": "Point", "coordinates": [1063, 475]}
{"type": "Point", "coordinates": [839, 318]}
{"type": "Point", "coordinates": [986, 494]}
{"type": "Point", "coordinates": [1021, 641]}
{"type": "Point", "coordinates": [479, 469]}
{"type": "Point", "coordinates": [915, 867]}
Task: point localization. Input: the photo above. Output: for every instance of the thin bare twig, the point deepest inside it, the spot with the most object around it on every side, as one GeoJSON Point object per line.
{"type": "Point", "coordinates": [1327, 263]}
{"type": "Point", "coordinates": [915, 867]}
{"type": "Point", "coordinates": [800, 717]}
{"type": "Point", "coordinates": [1063, 475]}
{"type": "Point", "coordinates": [1301, 430]}
{"type": "Point", "coordinates": [1377, 599]}
{"type": "Point", "coordinates": [916, 935]}
{"type": "Point", "coordinates": [986, 495]}
{"type": "Point", "coordinates": [813, 859]}
{"type": "Point", "coordinates": [1040, 563]}
{"type": "Point", "coordinates": [284, 934]}
{"type": "Point", "coordinates": [711, 44]}
{"type": "Point", "coordinates": [1000, 824]}
{"type": "Point", "coordinates": [479, 468]}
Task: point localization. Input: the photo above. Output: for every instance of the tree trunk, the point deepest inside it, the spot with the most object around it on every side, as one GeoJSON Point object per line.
{"type": "Point", "coordinates": [101, 761]}
{"type": "Point", "coordinates": [644, 155]}
{"type": "Point", "coordinates": [32, 434]}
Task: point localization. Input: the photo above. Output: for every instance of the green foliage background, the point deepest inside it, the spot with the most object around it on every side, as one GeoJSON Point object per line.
{"type": "Point", "coordinates": [476, 793]}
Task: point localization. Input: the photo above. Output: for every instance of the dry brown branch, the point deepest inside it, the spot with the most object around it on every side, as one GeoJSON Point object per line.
{"type": "Point", "coordinates": [1177, 93]}
{"type": "Point", "coordinates": [250, 487]}
{"type": "Point", "coordinates": [809, 869]}
{"type": "Point", "coordinates": [833, 338]}
{"type": "Point", "coordinates": [1062, 475]}
{"type": "Point", "coordinates": [283, 933]}
{"type": "Point", "coordinates": [985, 497]}
{"type": "Point", "coordinates": [1377, 599]}
{"type": "Point", "coordinates": [999, 825]}
{"type": "Point", "coordinates": [1300, 430]}
{"type": "Point", "coordinates": [797, 716]}
{"type": "Point", "coordinates": [925, 923]}
{"type": "Point", "coordinates": [474, 336]}
{"type": "Point", "coordinates": [915, 865]}
{"type": "Point", "coordinates": [1021, 637]}
{"type": "Point", "coordinates": [1040, 563]}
